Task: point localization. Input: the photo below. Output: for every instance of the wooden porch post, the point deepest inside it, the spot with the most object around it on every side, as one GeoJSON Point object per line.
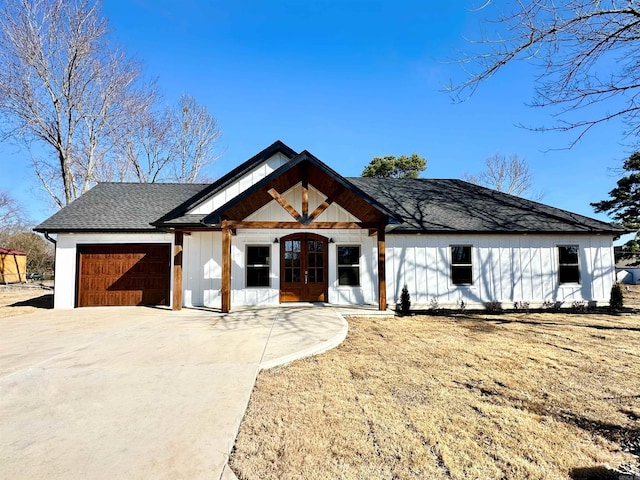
{"type": "Point", "coordinates": [226, 270]}
{"type": "Point", "coordinates": [382, 278]}
{"type": "Point", "coordinates": [305, 194]}
{"type": "Point", "coordinates": [177, 271]}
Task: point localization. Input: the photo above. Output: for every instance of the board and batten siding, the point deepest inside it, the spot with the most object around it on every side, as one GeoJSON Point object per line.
{"type": "Point", "coordinates": [202, 272]}
{"type": "Point", "coordinates": [202, 269]}
{"type": "Point", "coordinates": [240, 185]}
{"type": "Point", "coordinates": [66, 258]}
{"type": "Point", "coordinates": [506, 269]}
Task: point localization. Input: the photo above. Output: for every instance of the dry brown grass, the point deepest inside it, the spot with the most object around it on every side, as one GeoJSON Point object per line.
{"type": "Point", "coordinates": [512, 396]}
{"type": "Point", "coordinates": [631, 295]}
{"type": "Point", "coordinates": [23, 299]}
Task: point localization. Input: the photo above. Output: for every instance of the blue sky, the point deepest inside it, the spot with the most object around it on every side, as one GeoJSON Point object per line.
{"type": "Point", "coordinates": [347, 80]}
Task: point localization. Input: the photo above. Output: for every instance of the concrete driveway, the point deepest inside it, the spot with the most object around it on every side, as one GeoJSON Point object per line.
{"type": "Point", "coordinates": [139, 392]}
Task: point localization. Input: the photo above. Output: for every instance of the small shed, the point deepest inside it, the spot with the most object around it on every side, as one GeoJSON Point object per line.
{"type": "Point", "coordinates": [13, 266]}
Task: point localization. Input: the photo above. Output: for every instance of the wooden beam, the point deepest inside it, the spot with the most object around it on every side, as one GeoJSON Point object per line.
{"type": "Point", "coordinates": [305, 193]}
{"type": "Point", "coordinates": [284, 204]}
{"type": "Point", "coordinates": [177, 270]}
{"type": "Point", "coordinates": [382, 276]}
{"type": "Point", "coordinates": [226, 271]}
{"type": "Point", "coordinates": [297, 225]}
{"type": "Point", "coordinates": [321, 208]}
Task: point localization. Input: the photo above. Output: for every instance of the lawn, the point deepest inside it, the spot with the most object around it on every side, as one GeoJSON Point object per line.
{"type": "Point", "coordinates": [21, 299]}
{"type": "Point", "coordinates": [511, 396]}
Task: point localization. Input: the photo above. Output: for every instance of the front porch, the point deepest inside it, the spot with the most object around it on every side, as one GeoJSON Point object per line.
{"type": "Point", "coordinates": [277, 267]}
{"type": "Point", "coordinates": [302, 233]}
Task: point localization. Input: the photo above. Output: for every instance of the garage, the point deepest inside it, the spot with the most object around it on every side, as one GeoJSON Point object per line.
{"type": "Point", "coordinates": [123, 275]}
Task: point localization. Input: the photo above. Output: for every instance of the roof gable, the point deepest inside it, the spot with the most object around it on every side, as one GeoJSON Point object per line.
{"type": "Point", "coordinates": [196, 207]}
{"type": "Point", "coordinates": [326, 180]}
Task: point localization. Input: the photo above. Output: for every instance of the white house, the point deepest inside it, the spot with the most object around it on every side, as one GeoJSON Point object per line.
{"type": "Point", "coordinates": [284, 227]}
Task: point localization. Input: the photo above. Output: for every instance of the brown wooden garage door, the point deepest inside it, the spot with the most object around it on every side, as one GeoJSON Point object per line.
{"type": "Point", "coordinates": [129, 274]}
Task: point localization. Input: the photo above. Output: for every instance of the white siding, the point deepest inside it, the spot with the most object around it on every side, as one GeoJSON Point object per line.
{"type": "Point", "coordinates": [66, 258]}
{"type": "Point", "coordinates": [202, 268]}
{"type": "Point", "coordinates": [240, 185]}
{"type": "Point", "coordinates": [506, 268]}
{"type": "Point", "coordinates": [367, 291]}
{"type": "Point", "coordinates": [202, 271]}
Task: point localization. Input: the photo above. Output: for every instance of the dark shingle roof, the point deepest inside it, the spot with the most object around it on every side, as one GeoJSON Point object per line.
{"type": "Point", "coordinates": [120, 207]}
{"type": "Point", "coordinates": [420, 205]}
{"type": "Point", "coordinates": [449, 206]}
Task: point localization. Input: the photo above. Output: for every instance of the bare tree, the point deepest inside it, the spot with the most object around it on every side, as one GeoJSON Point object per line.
{"type": "Point", "coordinates": [145, 155]}
{"type": "Point", "coordinates": [194, 136]}
{"type": "Point", "coordinates": [587, 53]}
{"type": "Point", "coordinates": [64, 87]}
{"type": "Point", "coordinates": [509, 175]}
{"type": "Point", "coordinates": [11, 214]}
{"type": "Point", "coordinates": [168, 145]}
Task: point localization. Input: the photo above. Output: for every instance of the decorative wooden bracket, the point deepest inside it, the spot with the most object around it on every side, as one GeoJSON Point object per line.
{"type": "Point", "coordinates": [322, 207]}
{"type": "Point", "coordinates": [304, 218]}
{"type": "Point", "coordinates": [284, 204]}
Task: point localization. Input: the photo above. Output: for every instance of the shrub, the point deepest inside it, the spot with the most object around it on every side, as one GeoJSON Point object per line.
{"type": "Point", "coordinates": [521, 306]}
{"type": "Point", "coordinates": [405, 300]}
{"type": "Point", "coordinates": [461, 305]}
{"type": "Point", "coordinates": [616, 300]}
{"type": "Point", "coordinates": [434, 305]}
{"type": "Point", "coordinates": [551, 305]}
{"type": "Point", "coordinates": [579, 306]}
{"type": "Point", "coordinates": [493, 307]}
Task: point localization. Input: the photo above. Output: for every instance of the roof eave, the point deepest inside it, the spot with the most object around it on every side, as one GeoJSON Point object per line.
{"type": "Point", "coordinates": [96, 230]}
{"type": "Point", "coordinates": [415, 231]}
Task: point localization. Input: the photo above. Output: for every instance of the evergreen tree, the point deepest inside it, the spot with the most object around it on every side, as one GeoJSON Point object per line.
{"type": "Point", "coordinates": [624, 204]}
{"type": "Point", "coordinates": [395, 167]}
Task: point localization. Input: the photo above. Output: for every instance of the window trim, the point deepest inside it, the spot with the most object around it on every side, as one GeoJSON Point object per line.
{"type": "Point", "coordinates": [258, 265]}
{"type": "Point", "coordinates": [576, 265]}
{"type": "Point", "coordinates": [452, 264]}
{"type": "Point", "coordinates": [350, 265]}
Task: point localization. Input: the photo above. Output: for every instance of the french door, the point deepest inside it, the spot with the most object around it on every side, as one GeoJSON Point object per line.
{"type": "Point", "coordinates": [303, 271]}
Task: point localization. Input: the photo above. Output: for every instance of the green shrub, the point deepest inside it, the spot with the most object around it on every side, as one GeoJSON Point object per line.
{"type": "Point", "coordinates": [405, 300]}
{"type": "Point", "coordinates": [493, 307]}
{"type": "Point", "coordinates": [616, 300]}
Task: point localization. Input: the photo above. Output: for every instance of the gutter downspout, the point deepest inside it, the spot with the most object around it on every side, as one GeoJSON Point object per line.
{"type": "Point", "coordinates": [46, 235]}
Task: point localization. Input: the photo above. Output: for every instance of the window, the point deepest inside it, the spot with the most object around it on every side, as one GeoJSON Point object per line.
{"type": "Point", "coordinates": [461, 265]}
{"type": "Point", "coordinates": [258, 265]}
{"type": "Point", "coordinates": [349, 265]}
{"type": "Point", "coordinates": [569, 269]}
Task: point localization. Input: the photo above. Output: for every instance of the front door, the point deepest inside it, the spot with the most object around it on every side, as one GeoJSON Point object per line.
{"type": "Point", "coordinates": [303, 272]}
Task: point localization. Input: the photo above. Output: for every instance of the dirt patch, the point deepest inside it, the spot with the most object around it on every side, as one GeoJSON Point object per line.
{"type": "Point", "coordinates": [551, 396]}
{"type": "Point", "coordinates": [23, 299]}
